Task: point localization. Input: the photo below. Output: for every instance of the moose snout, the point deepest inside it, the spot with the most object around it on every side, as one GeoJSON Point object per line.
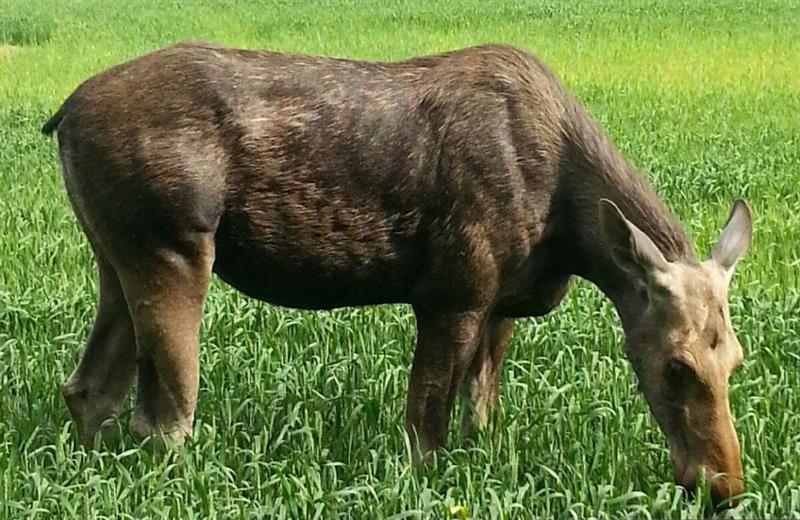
{"type": "Point", "coordinates": [725, 487]}
{"type": "Point", "coordinates": [711, 453]}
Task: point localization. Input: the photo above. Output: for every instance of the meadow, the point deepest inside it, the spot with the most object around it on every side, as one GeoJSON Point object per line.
{"type": "Point", "coordinates": [300, 413]}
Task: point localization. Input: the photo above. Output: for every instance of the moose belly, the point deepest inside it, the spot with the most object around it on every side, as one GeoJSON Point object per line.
{"type": "Point", "coordinates": [537, 300]}
{"type": "Point", "coordinates": [312, 268]}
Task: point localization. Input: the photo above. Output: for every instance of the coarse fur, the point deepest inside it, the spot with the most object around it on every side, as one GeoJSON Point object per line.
{"type": "Point", "coordinates": [468, 184]}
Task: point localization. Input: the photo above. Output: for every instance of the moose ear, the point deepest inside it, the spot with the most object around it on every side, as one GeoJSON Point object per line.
{"type": "Point", "coordinates": [735, 239]}
{"type": "Point", "coordinates": [630, 247]}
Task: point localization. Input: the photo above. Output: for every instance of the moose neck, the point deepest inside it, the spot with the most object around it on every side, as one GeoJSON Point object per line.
{"type": "Point", "coordinates": [595, 169]}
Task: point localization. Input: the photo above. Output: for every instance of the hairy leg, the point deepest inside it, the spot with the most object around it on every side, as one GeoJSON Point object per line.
{"type": "Point", "coordinates": [482, 383]}
{"type": "Point", "coordinates": [446, 343]}
{"type": "Point", "coordinates": [97, 389]}
{"type": "Point", "coordinates": [166, 294]}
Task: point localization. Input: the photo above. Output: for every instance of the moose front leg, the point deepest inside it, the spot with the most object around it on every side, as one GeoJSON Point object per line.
{"type": "Point", "coordinates": [482, 383]}
{"type": "Point", "coordinates": [446, 343]}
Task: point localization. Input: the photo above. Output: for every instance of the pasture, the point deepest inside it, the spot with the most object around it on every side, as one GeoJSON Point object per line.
{"type": "Point", "coordinates": [301, 413]}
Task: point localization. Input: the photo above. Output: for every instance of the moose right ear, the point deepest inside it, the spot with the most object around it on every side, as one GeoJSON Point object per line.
{"type": "Point", "coordinates": [630, 247]}
{"type": "Point", "coordinates": [735, 238]}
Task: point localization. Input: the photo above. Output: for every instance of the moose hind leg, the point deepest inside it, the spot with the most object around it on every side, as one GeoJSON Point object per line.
{"type": "Point", "coordinates": [482, 383]}
{"type": "Point", "coordinates": [97, 388]}
{"type": "Point", "coordinates": [445, 345]}
{"type": "Point", "coordinates": [166, 294]}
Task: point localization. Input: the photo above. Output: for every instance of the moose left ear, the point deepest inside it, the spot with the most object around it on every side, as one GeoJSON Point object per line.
{"type": "Point", "coordinates": [630, 247]}
{"type": "Point", "coordinates": [735, 238]}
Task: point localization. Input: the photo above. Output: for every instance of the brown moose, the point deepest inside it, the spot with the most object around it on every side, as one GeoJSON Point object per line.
{"type": "Point", "coordinates": [468, 184]}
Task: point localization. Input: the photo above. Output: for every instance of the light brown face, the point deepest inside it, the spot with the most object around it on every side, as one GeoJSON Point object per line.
{"type": "Point", "coordinates": [684, 350]}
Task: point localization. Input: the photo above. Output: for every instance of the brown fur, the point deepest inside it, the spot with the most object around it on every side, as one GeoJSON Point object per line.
{"type": "Point", "coordinates": [466, 184]}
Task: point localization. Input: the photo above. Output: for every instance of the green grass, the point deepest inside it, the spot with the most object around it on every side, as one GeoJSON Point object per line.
{"type": "Point", "coordinates": [300, 413]}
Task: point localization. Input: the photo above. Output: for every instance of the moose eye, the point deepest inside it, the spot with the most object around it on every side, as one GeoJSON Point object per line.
{"type": "Point", "coordinates": [678, 371]}
{"type": "Point", "coordinates": [715, 341]}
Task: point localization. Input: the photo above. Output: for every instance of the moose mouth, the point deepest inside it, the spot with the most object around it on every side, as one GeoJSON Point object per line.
{"type": "Point", "coordinates": [724, 487]}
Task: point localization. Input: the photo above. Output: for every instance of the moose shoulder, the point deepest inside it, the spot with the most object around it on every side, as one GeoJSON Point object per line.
{"type": "Point", "coordinates": [469, 184]}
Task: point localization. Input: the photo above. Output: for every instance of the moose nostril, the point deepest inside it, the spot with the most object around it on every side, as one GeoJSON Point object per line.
{"type": "Point", "coordinates": [689, 486]}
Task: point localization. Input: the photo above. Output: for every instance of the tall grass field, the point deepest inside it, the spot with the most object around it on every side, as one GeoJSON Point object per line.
{"type": "Point", "coordinates": [301, 413]}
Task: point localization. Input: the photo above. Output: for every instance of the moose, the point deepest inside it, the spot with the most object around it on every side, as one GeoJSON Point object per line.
{"type": "Point", "coordinates": [469, 184]}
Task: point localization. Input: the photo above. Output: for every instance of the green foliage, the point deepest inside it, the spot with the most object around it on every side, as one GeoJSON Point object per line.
{"type": "Point", "coordinates": [300, 413]}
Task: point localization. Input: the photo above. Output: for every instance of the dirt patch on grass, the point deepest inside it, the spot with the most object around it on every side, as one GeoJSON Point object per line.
{"type": "Point", "coordinates": [6, 51]}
